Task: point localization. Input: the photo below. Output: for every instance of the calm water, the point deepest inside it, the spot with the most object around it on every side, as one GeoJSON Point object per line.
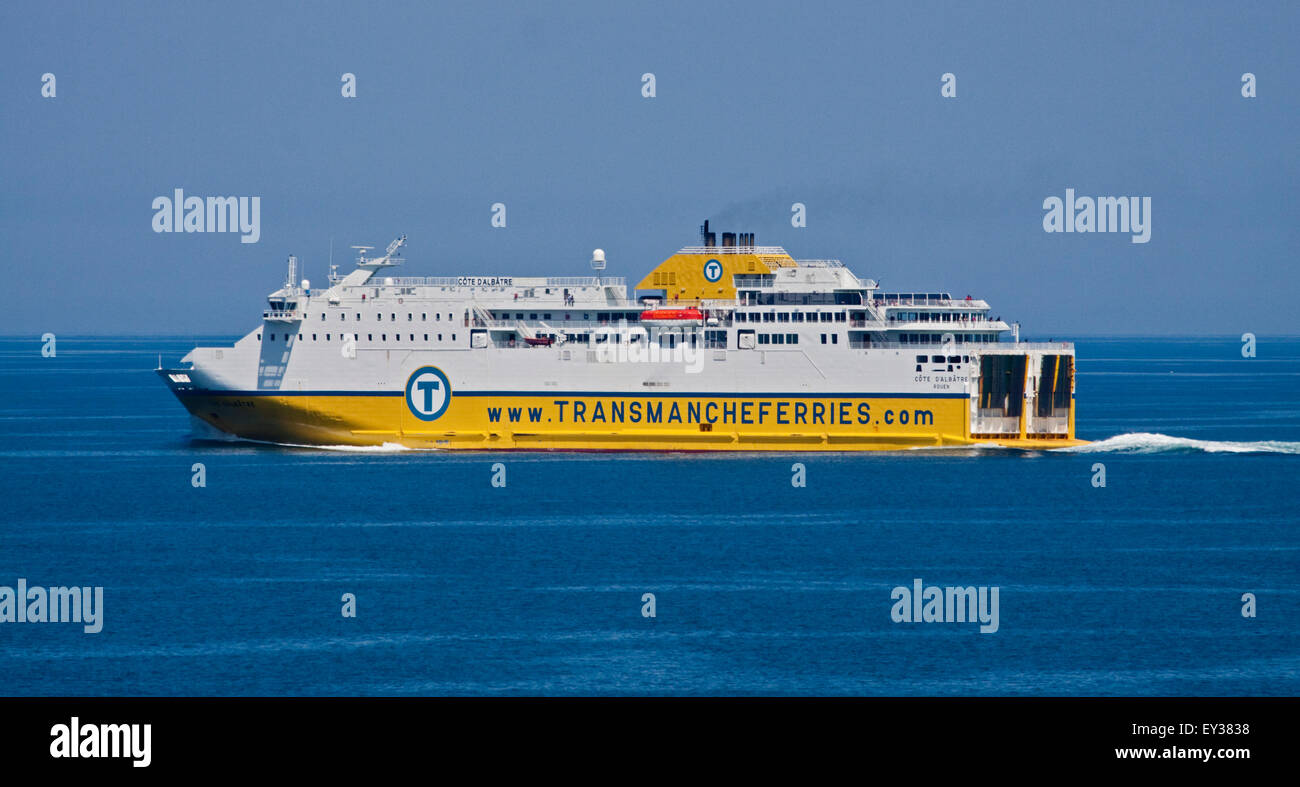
{"type": "Point", "coordinates": [761, 588]}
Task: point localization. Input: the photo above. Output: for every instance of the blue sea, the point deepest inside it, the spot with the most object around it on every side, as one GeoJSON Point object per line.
{"type": "Point", "coordinates": [760, 587]}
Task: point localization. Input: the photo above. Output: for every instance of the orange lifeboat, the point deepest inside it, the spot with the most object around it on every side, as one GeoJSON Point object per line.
{"type": "Point", "coordinates": [672, 317]}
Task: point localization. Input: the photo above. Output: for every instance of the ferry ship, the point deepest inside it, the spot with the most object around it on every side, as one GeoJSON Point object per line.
{"type": "Point", "coordinates": [726, 346]}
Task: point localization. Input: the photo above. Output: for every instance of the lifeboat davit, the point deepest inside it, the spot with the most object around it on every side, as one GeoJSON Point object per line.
{"type": "Point", "coordinates": [672, 317]}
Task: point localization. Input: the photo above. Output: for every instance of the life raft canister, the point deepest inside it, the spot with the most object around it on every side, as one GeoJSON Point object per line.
{"type": "Point", "coordinates": [672, 316]}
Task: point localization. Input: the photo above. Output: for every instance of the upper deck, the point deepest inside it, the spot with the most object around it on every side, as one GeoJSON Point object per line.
{"type": "Point", "coordinates": [737, 284]}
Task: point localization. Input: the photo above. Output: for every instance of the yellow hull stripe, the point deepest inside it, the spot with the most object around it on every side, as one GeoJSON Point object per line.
{"type": "Point", "coordinates": [569, 421]}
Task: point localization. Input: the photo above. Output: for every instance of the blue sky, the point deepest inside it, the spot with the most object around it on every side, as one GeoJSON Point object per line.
{"type": "Point", "coordinates": [758, 106]}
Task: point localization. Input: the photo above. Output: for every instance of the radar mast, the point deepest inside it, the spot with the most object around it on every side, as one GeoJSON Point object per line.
{"type": "Point", "coordinates": [391, 256]}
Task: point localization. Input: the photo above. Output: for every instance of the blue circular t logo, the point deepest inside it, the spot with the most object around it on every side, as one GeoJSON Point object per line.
{"type": "Point", "coordinates": [428, 393]}
{"type": "Point", "coordinates": [713, 270]}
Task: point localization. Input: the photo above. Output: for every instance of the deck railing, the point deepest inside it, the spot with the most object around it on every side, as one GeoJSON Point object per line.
{"type": "Point", "coordinates": [494, 281]}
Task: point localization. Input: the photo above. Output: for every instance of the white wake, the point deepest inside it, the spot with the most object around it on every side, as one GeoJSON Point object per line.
{"type": "Point", "coordinates": [384, 448]}
{"type": "Point", "coordinates": [1148, 443]}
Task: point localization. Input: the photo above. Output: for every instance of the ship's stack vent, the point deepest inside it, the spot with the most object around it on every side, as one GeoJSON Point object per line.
{"type": "Point", "coordinates": [709, 239]}
{"type": "Point", "coordinates": [730, 240]}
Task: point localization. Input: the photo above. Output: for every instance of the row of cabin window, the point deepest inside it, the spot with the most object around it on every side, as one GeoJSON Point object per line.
{"type": "Point", "coordinates": [953, 360]}
{"type": "Point", "coordinates": [938, 316]}
{"type": "Point", "coordinates": [664, 339]}
{"type": "Point", "coordinates": [941, 359]}
{"type": "Point", "coordinates": [410, 317]}
{"type": "Point", "coordinates": [778, 338]}
{"type": "Point", "coordinates": [937, 338]}
{"type": "Point", "coordinates": [370, 337]}
{"type": "Point", "coordinates": [604, 316]}
{"type": "Point", "coordinates": [786, 316]}
{"type": "Point", "coordinates": [713, 339]}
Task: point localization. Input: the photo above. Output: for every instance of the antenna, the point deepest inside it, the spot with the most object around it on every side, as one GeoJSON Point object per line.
{"type": "Point", "coordinates": [390, 257]}
{"type": "Point", "coordinates": [395, 245]}
{"type": "Point", "coordinates": [598, 260]}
